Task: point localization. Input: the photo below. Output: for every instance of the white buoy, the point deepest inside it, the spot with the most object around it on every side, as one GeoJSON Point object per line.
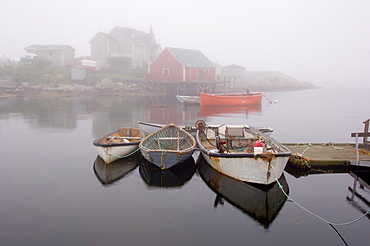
{"type": "Point", "coordinates": [276, 101]}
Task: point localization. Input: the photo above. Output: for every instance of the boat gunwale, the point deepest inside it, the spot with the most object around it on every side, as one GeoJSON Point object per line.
{"type": "Point", "coordinates": [192, 148]}
{"type": "Point", "coordinates": [285, 153]}
{"type": "Point", "coordinates": [96, 141]}
{"type": "Point", "coordinates": [234, 95]}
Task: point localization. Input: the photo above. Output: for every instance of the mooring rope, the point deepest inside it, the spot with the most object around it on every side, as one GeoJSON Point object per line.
{"type": "Point", "coordinates": [123, 156]}
{"type": "Point", "coordinates": [312, 213]}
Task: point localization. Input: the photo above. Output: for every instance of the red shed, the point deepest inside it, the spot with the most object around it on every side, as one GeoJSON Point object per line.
{"type": "Point", "coordinates": [175, 64]}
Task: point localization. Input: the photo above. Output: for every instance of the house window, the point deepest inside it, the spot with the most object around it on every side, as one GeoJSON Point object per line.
{"type": "Point", "coordinates": [100, 49]}
{"type": "Point", "coordinates": [205, 71]}
{"type": "Point", "coordinates": [166, 71]}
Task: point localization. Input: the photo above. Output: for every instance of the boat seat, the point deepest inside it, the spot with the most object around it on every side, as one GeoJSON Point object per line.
{"type": "Point", "coordinates": [169, 138]}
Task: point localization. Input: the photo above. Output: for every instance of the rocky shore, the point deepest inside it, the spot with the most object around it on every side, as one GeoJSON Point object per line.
{"type": "Point", "coordinates": [9, 88]}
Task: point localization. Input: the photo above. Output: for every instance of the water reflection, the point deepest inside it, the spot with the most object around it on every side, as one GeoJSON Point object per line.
{"type": "Point", "coordinates": [260, 202]}
{"type": "Point", "coordinates": [108, 174]}
{"type": "Point", "coordinates": [175, 176]}
{"type": "Point", "coordinates": [207, 111]}
{"type": "Point", "coordinates": [314, 168]}
{"type": "Point", "coordinates": [359, 192]}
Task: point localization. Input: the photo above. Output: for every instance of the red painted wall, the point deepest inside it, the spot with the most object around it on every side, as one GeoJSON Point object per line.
{"type": "Point", "coordinates": [167, 60]}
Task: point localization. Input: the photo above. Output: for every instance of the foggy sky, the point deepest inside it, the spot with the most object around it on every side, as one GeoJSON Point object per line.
{"type": "Point", "coordinates": [320, 41]}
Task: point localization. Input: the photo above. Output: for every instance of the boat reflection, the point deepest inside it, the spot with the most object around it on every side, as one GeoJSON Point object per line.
{"type": "Point", "coordinates": [175, 176]}
{"type": "Point", "coordinates": [108, 174]}
{"type": "Point", "coordinates": [206, 111]}
{"type": "Point", "coordinates": [359, 192]}
{"type": "Point", "coordinates": [260, 202]}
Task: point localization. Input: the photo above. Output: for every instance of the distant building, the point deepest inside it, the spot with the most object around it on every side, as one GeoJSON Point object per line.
{"type": "Point", "coordinates": [58, 55]}
{"type": "Point", "coordinates": [233, 72]}
{"type": "Point", "coordinates": [78, 73]}
{"type": "Point", "coordinates": [175, 64]}
{"type": "Point", "coordinates": [130, 47]}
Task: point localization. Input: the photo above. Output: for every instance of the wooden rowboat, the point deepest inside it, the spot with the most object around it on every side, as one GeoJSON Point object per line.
{"type": "Point", "coordinates": [242, 152]}
{"type": "Point", "coordinates": [230, 99]}
{"type": "Point", "coordinates": [118, 144]}
{"type": "Point", "coordinates": [167, 146]}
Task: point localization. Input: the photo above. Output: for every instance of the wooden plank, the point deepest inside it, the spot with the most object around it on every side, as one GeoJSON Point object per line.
{"type": "Point", "coordinates": [360, 134]}
{"type": "Point", "coordinates": [328, 154]}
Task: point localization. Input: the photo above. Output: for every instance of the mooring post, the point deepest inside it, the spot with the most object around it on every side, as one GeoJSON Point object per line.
{"type": "Point", "coordinates": [366, 130]}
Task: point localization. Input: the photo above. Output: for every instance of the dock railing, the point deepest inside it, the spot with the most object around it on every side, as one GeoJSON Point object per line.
{"type": "Point", "coordinates": [365, 142]}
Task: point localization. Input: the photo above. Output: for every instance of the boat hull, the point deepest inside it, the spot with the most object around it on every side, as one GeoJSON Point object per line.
{"type": "Point", "coordinates": [187, 100]}
{"type": "Point", "coordinates": [111, 154]}
{"type": "Point", "coordinates": [230, 99]}
{"type": "Point", "coordinates": [239, 159]}
{"type": "Point", "coordinates": [251, 169]}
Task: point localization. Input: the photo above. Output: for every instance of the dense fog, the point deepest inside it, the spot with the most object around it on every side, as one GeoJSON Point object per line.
{"type": "Point", "coordinates": [317, 41]}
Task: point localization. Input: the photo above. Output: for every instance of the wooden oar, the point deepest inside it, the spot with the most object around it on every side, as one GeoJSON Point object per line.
{"type": "Point", "coordinates": [111, 137]}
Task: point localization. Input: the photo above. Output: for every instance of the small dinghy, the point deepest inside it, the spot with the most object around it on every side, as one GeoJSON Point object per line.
{"type": "Point", "coordinates": [118, 144]}
{"type": "Point", "coordinates": [168, 146]}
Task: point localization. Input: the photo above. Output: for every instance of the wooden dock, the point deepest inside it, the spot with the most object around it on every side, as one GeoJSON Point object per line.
{"type": "Point", "coordinates": [332, 154]}
{"type": "Point", "coordinates": [327, 154]}
{"type": "Point", "coordinates": [308, 159]}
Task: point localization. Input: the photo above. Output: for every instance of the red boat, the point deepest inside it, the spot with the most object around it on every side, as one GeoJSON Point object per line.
{"type": "Point", "coordinates": [231, 99]}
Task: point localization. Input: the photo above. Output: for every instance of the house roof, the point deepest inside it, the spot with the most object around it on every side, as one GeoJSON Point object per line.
{"type": "Point", "coordinates": [191, 58]}
{"type": "Point", "coordinates": [234, 66]}
{"type": "Point", "coordinates": [106, 36]}
{"type": "Point", "coordinates": [138, 37]}
{"type": "Point", "coordinates": [48, 47]}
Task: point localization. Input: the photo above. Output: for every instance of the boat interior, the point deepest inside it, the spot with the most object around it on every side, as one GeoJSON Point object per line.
{"type": "Point", "coordinates": [236, 139]}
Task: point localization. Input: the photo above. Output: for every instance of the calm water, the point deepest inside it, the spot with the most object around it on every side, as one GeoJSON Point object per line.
{"type": "Point", "coordinates": [55, 191]}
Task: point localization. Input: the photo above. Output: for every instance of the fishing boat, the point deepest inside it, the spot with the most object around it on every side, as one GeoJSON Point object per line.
{"type": "Point", "coordinates": [147, 128]}
{"type": "Point", "coordinates": [167, 146]}
{"type": "Point", "coordinates": [118, 144]}
{"type": "Point", "coordinates": [188, 99]}
{"type": "Point", "coordinates": [108, 174]}
{"type": "Point", "coordinates": [242, 152]}
{"type": "Point", "coordinates": [231, 99]}
{"type": "Point", "coordinates": [261, 202]}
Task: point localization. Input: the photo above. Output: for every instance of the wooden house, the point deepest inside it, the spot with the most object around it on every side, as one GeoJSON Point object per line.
{"type": "Point", "coordinates": [233, 72]}
{"type": "Point", "coordinates": [58, 55]}
{"type": "Point", "coordinates": [175, 64]}
{"type": "Point", "coordinates": [132, 48]}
